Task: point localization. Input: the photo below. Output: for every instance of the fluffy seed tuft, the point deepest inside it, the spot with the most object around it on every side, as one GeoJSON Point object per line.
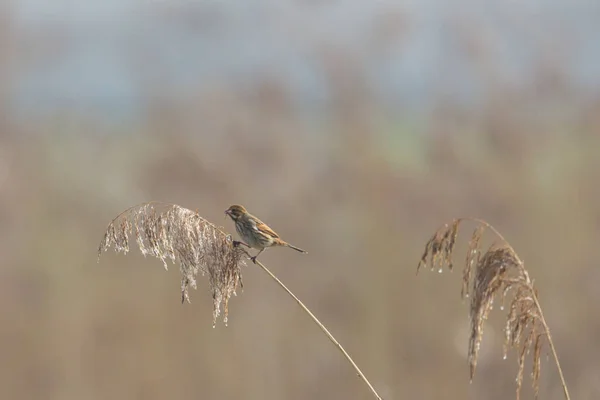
{"type": "Point", "coordinates": [173, 233]}
{"type": "Point", "coordinates": [497, 271]}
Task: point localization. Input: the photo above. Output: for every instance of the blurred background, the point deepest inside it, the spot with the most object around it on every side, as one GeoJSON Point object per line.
{"type": "Point", "coordinates": [353, 128]}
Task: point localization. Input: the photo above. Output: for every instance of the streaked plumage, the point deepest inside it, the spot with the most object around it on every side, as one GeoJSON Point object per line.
{"type": "Point", "coordinates": [254, 232]}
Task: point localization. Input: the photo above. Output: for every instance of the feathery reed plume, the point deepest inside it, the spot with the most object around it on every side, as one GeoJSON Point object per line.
{"type": "Point", "coordinates": [173, 233]}
{"type": "Point", "coordinates": [498, 272]}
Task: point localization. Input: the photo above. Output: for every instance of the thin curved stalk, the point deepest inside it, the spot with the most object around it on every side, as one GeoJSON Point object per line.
{"type": "Point", "coordinates": [329, 335]}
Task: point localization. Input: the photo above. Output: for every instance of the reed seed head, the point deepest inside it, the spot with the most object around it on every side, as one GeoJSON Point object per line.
{"type": "Point", "coordinates": [488, 274]}
{"type": "Point", "coordinates": [173, 233]}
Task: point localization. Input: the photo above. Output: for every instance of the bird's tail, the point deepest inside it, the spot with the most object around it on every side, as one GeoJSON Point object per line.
{"type": "Point", "coordinates": [286, 244]}
{"type": "Point", "coordinates": [297, 249]}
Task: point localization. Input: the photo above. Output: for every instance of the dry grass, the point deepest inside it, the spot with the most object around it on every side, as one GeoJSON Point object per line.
{"type": "Point", "coordinates": [173, 233]}
{"type": "Point", "coordinates": [498, 271]}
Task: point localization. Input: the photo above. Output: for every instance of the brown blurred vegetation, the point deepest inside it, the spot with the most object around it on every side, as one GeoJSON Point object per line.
{"type": "Point", "coordinates": [361, 189]}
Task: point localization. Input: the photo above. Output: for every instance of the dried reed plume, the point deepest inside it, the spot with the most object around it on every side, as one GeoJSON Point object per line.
{"type": "Point", "coordinates": [173, 233]}
{"type": "Point", "coordinates": [498, 271]}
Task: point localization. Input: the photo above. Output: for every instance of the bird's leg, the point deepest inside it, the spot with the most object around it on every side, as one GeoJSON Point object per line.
{"type": "Point", "coordinates": [237, 243]}
{"type": "Point", "coordinates": [254, 258]}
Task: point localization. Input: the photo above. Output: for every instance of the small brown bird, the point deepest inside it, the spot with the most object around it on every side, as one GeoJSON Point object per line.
{"type": "Point", "coordinates": [254, 232]}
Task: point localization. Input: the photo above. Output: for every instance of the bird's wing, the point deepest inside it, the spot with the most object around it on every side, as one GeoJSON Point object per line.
{"type": "Point", "coordinates": [264, 228]}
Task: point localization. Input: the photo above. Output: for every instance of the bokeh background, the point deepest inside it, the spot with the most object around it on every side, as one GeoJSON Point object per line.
{"type": "Point", "coordinates": [355, 129]}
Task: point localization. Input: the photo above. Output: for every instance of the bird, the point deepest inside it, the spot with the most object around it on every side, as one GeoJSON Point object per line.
{"type": "Point", "coordinates": [254, 232]}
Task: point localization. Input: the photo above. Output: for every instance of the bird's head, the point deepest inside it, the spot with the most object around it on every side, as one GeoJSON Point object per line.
{"type": "Point", "coordinates": [235, 211]}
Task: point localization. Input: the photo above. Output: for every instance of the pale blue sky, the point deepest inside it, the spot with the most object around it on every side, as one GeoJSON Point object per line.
{"type": "Point", "coordinates": [103, 55]}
